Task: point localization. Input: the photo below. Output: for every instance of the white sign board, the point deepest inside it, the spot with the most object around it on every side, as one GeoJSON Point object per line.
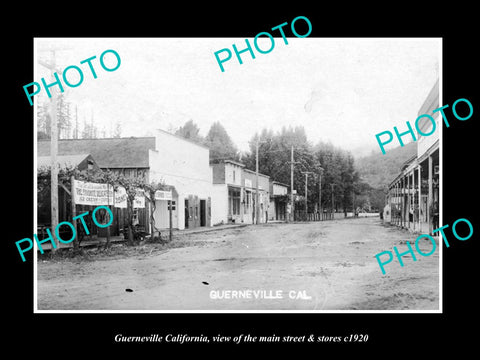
{"type": "Point", "coordinates": [87, 193]}
{"type": "Point", "coordinates": [163, 195]}
{"type": "Point", "coordinates": [121, 198]}
{"type": "Point", "coordinates": [279, 190]}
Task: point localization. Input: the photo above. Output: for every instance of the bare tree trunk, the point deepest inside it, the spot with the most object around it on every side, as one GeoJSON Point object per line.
{"type": "Point", "coordinates": [129, 222]}
{"type": "Point", "coordinates": [76, 246]}
{"type": "Point", "coordinates": [107, 243]}
{"type": "Point", "coordinates": [152, 218]}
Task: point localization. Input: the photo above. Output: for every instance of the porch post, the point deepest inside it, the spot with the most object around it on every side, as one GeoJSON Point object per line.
{"type": "Point", "coordinates": [430, 194]}
{"type": "Point", "coordinates": [419, 168]}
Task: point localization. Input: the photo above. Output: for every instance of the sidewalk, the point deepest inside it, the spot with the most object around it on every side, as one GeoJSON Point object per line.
{"type": "Point", "coordinates": [165, 232]}
{"type": "Point", "coordinates": [203, 229]}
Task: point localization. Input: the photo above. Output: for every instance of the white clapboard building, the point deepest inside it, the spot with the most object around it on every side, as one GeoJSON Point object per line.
{"type": "Point", "coordinates": [184, 165]}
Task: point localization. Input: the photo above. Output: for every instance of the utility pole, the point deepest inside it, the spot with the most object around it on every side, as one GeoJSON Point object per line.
{"type": "Point", "coordinates": [53, 150]}
{"type": "Point", "coordinates": [320, 192]}
{"type": "Point", "coordinates": [170, 219]}
{"type": "Point", "coordinates": [291, 187]}
{"type": "Point", "coordinates": [306, 190]}
{"type": "Point", "coordinates": [256, 177]}
{"type": "Point", "coordinates": [53, 154]}
{"type": "Point", "coordinates": [76, 122]}
{"type": "Point", "coordinates": [76, 246]}
{"type": "Point", "coordinates": [353, 202]}
{"type": "Point", "coordinates": [53, 141]}
{"type": "Point", "coordinates": [333, 204]}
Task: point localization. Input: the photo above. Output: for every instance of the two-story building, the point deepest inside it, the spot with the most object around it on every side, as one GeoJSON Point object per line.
{"type": "Point", "coordinates": [227, 194]}
{"type": "Point", "coordinates": [184, 165]}
{"type": "Point", "coordinates": [414, 196]}
{"type": "Point", "coordinates": [234, 193]}
{"type": "Point", "coordinates": [428, 159]}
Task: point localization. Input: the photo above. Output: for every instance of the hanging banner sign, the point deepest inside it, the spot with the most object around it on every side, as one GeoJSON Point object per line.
{"type": "Point", "coordinates": [87, 193]}
{"type": "Point", "coordinates": [139, 201]}
{"type": "Point", "coordinates": [163, 195]}
{"type": "Point", "coordinates": [121, 198]}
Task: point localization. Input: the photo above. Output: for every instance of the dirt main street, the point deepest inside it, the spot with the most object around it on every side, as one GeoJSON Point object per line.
{"type": "Point", "coordinates": [327, 265]}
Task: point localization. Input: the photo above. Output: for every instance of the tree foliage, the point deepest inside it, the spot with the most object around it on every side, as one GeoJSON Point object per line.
{"type": "Point", "coordinates": [217, 140]}
{"type": "Point", "coordinates": [190, 131]}
{"type": "Point", "coordinates": [220, 144]}
{"type": "Point", "coordinates": [323, 161]}
{"type": "Point", "coordinates": [64, 119]}
{"type": "Point", "coordinates": [379, 170]}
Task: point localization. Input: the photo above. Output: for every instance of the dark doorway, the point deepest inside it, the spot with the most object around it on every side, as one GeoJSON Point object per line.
{"type": "Point", "coordinates": [203, 212]}
{"type": "Point", "coordinates": [186, 214]}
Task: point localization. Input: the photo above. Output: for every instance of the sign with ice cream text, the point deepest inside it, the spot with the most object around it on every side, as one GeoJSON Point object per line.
{"type": "Point", "coordinates": [88, 193]}
{"type": "Point", "coordinates": [95, 194]}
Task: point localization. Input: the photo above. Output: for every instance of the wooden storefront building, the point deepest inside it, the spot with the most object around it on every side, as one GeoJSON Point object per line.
{"type": "Point", "coordinates": [414, 195]}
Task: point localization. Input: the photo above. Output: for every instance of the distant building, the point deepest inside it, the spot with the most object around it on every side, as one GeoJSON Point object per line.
{"type": "Point", "coordinates": [227, 192]}
{"type": "Point", "coordinates": [250, 196]}
{"type": "Point", "coordinates": [278, 201]}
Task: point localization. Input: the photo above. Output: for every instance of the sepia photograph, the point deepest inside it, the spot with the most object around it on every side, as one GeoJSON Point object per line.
{"type": "Point", "coordinates": [270, 174]}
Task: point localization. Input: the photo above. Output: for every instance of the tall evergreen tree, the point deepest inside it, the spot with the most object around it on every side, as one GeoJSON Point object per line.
{"type": "Point", "coordinates": [63, 119]}
{"type": "Point", "coordinates": [339, 176]}
{"type": "Point", "coordinates": [190, 131]}
{"type": "Point", "coordinates": [220, 144]}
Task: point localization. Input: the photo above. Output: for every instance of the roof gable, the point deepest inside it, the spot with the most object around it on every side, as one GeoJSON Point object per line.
{"type": "Point", "coordinates": [65, 161]}
{"type": "Point", "coordinates": [129, 152]}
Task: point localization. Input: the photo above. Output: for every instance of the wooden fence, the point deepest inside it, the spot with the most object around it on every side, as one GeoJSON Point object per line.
{"type": "Point", "coordinates": [303, 216]}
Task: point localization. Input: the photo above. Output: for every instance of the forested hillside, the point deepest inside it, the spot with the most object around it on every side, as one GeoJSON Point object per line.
{"type": "Point", "coordinates": [379, 170]}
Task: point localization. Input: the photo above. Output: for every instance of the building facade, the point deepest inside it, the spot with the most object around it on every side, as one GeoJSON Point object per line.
{"type": "Point", "coordinates": [234, 193]}
{"type": "Point", "coordinates": [126, 156]}
{"type": "Point", "coordinates": [249, 198]}
{"type": "Point", "coordinates": [414, 195]}
{"type": "Point", "coordinates": [227, 191]}
{"type": "Point", "coordinates": [167, 158]}
{"type": "Point", "coordinates": [183, 164]}
{"type": "Point", "coordinates": [278, 201]}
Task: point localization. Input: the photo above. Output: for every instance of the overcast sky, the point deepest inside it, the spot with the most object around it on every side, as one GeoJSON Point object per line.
{"type": "Point", "coordinates": [341, 90]}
